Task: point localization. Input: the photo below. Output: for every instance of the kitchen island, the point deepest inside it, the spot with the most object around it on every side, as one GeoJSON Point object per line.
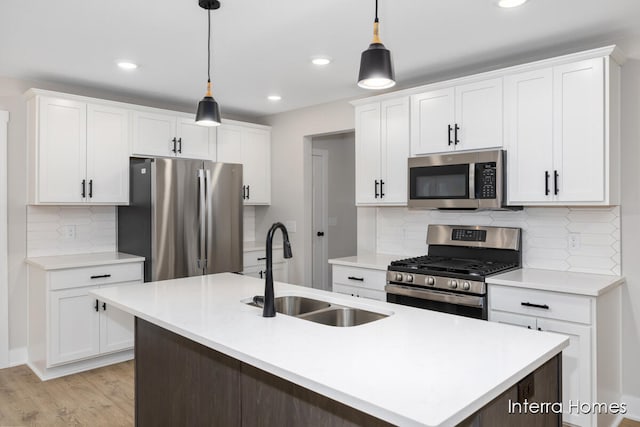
{"type": "Point", "coordinates": [200, 349]}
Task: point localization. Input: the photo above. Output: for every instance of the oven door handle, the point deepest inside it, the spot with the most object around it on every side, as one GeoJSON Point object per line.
{"type": "Point", "coordinates": [472, 181]}
{"type": "Point", "coordinates": [427, 294]}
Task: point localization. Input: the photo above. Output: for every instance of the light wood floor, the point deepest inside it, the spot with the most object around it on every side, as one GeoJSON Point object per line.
{"type": "Point", "coordinates": [101, 397]}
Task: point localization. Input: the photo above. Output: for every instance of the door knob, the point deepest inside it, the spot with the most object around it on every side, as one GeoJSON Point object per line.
{"type": "Point", "coordinates": [320, 233]}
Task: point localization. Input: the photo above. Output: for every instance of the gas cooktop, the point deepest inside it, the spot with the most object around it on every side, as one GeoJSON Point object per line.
{"type": "Point", "coordinates": [437, 264]}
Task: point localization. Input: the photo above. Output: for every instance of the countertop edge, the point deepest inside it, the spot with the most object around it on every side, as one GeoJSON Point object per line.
{"type": "Point", "coordinates": [357, 264]}
{"type": "Point", "coordinates": [567, 289]}
{"type": "Point", "coordinates": [33, 261]}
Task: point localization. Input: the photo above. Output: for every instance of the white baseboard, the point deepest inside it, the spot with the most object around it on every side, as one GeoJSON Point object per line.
{"type": "Point", "coordinates": [80, 366]}
{"type": "Point", "coordinates": [17, 356]}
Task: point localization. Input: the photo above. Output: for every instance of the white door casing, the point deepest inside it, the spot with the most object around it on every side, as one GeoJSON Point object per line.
{"type": "Point", "coordinates": [320, 219]}
{"type": "Point", "coordinates": [4, 266]}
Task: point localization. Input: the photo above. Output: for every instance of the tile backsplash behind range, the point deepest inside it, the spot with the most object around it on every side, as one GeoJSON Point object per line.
{"type": "Point", "coordinates": [94, 229]}
{"type": "Point", "coordinates": [567, 239]}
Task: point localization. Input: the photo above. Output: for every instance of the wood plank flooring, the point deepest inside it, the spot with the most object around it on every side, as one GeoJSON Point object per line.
{"type": "Point", "coordinates": [101, 397]}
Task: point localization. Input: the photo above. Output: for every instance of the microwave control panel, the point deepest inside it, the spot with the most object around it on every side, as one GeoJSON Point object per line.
{"type": "Point", "coordinates": [486, 181]}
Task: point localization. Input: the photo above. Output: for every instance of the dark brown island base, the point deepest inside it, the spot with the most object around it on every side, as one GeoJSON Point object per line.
{"type": "Point", "coordinates": [182, 383]}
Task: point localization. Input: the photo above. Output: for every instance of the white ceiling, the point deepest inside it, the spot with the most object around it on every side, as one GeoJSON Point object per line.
{"type": "Point", "coordinates": [264, 47]}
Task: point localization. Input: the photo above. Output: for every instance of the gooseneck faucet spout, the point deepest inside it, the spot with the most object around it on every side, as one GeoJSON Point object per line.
{"type": "Point", "coordinates": [269, 309]}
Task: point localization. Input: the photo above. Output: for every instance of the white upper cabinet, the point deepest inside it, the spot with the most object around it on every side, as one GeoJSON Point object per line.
{"type": "Point", "coordinates": [78, 152]}
{"type": "Point", "coordinates": [250, 145]}
{"type": "Point", "coordinates": [382, 149]}
{"type": "Point", "coordinates": [464, 117]}
{"type": "Point", "coordinates": [169, 134]}
{"type": "Point", "coordinates": [559, 146]}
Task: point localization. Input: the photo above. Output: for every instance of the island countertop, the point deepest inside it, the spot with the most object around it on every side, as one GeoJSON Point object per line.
{"type": "Point", "coordinates": [415, 367]}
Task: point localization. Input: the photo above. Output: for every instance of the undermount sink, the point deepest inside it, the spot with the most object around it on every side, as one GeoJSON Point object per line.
{"type": "Point", "coordinates": [343, 316]}
{"type": "Point", "coordinates": [321, 311]}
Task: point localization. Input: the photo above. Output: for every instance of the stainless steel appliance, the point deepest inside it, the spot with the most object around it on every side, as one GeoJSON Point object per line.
{"type": "Point", "coordinates": [184, 216]}
{"type": "Point", "coordinates": [451, 278]}
{"type": "Point", "coordinates": [464, 180]}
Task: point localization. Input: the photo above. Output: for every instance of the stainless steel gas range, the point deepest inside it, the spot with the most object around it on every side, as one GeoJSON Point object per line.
{"type": "Point", "coordinates": [451, 278]}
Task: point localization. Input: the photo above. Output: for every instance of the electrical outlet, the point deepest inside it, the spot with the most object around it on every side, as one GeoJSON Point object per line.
{"type": "Point", "coordinates": [574, 240]}
{"type": "Point", "coordinates": [68, 232]}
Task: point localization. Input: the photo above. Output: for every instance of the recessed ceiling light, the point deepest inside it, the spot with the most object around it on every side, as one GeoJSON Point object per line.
{"type": "Point", "coordinates": [320, 60]}
{"type": "Point", "coordinates": [510, 3]}
{"type": "Point", "coordinates": [127, 65]}
{"type": "Point", "coordinates": [274, 97]}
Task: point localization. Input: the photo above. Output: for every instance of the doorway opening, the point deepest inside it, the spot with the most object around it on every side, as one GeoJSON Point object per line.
{"type": "Point", "coordinates": [333, 210]}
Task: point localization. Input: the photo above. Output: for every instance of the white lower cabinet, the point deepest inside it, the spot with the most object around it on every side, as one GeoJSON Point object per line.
{"type": "Point", "coordinates": [255, 265]}
{"type": "Point", "coordinates": [70, 330]}
{"type": "Point", "coordinates": [360, 282]}
{"type": "Point", "coordinates": [593, 347]}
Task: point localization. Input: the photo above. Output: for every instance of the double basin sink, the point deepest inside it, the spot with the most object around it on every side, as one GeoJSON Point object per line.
{"type": "Point", "coordinates": [321, 311]}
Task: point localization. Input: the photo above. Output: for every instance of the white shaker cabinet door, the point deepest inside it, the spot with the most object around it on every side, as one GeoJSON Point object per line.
{"type": "Point", "coordinates": [62, 128]}
{"type": "Point", "coordinates": [193, 140]}
{"type": "Point", "coordinates": [229, 147]}
{"type": "Point", "coordinates": [432, 119]}
{"type": "Point", "coordinates": [394, 150]}
{"type": "Point", "coordinates": [116, 327]}
{"type": "Point", "coordinates": [368, 146]}
{"type": "Point", "coordinates": [579, 130]}
{"type": "Point", "coordinates": [529, 136]}
{"type": "Point", "coordinates": [256, 169]}
{"type": "Point", "coordinates": [74, 326]}
{"type": "Point", "coordinates": [479, 115]}
{"type": "Point", "coordinates": [107, 155]}
{"type": "Point", "coordinates": [153, 134]}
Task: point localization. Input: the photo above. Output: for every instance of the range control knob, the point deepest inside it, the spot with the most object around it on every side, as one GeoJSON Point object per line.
{"type": "Point", "coordinates": [453, 284]}
{"type": "Point", "coordinates": [466, 286]}
{"type": "Point", "coordinates": [430, 281]}
{"type": "Point", "coordinates": [399, 277]}
{"type": "Point", "coordinates": [409, 278]}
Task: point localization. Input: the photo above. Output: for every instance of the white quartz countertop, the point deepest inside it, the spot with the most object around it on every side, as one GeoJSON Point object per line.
{"type": "Point", "coordinates": [558, 281]}
{"type": "Point", "coordinates": [258, 246]}
{"type": "Point", "coordinates": [373, 261]}
{"type": "Point", "coordinates": [415, 367]}
{"type": "Point", "coordinates": [82, 260]}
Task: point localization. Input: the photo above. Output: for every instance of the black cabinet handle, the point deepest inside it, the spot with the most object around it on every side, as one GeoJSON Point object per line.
{"type": "Point", "coordinates": [104, 306]}
{"type": "Point", "coordinates": [320, 233]}
{"type": "Point", "coordinates": [102, 276]}
{"type": "Point", "coordinates": [449, 129]}
{"type": "Point", "coordinates": [96, 306]}
{"type": "Point", "coordinates": [262, 258]}
{"type": "Point", "coordinates": [84, 188]}
{"type": "Point", "coordinates": [555, 182]}
{"type": "Point", "coordinates": [261, 274]}
{"type": "Point", "coordinates": [248, 192]}
{"type": "Point", "coordinates": [244, 192]}
{"type": "Point", "coordinates": [90, 188]}
{"type": "Point", "coordinates": [546, 183]}
{"type": "Point", "coordinates": [528, 304]}
{"type": "Point", "coordinates": [180, 145]}
{"type": "Point", "coordinates": [455, 135]}
{"type": "Point", "coordinates": [174, 145]}
{"type": "Point", "coordinates": [539, 329]}
{"type": "Point", "coordinates": [381, 190]}
{"type": "Point", "coordinates": [359, 279]}
{"type": "Point", "coordinates": [376, 188]}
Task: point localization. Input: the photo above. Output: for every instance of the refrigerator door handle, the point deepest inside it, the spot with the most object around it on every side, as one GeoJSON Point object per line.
{"type": "Point", "coordinates": [202, 223]}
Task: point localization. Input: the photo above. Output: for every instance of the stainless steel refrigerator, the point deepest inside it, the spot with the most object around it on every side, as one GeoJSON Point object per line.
{"type": "Point", "coordinates": [184, 216]}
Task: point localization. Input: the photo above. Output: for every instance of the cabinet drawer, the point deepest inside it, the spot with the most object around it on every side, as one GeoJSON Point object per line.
{"type": "Point", "coordinates": [259, 257]}
{"type": "Point", "coordinates": [96, 275]}
{"type": "Point", "coordinates": [552, 305]}
{"type": "Point", "coordinates": [360, 277]}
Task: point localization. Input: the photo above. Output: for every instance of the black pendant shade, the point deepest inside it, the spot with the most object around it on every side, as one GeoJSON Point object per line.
{"type": "Point", "coordinates": [208, 113]}
{"type": "Point", "coordinates": [376, 68]}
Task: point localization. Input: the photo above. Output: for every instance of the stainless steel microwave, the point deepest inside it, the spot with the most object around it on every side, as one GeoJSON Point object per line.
{"type": "Point", "coordinates": [464, 180]}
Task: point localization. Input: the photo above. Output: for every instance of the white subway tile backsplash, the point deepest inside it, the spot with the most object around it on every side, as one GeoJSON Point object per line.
{"type": "Point", "coordinates": [545, 234]}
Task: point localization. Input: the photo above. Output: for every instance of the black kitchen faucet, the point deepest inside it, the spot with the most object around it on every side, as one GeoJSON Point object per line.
{"type": "Point", "coordinates": [269, 309]}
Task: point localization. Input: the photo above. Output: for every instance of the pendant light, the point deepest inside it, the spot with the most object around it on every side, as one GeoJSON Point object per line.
{"type": "Point", "coordinates": [208, 113]}
{"type": "Point", "coordinates": [376, 69]}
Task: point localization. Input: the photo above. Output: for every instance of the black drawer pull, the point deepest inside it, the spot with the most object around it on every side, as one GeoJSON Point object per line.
{"type": "Point", "coordinates": [104, 306]}
{"type": "Point", "coordinates": [359, 279]}
{"type": "Point", "coordinates": [528, 304]}
{"type": "Point", "coordinates": [262, 258]}
{"type": "Point", "coordinates": [102, 276]}
{"type": "Point", "coordinates": [96, 306]}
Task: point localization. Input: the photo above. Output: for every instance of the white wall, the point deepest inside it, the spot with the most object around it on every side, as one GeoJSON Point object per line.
{"type": "Point", "coordinates": [630, 215]}
{"type": "Point", "coordinates": [291, 173]}
{"type": "Point", "coordinates": [342, 231]}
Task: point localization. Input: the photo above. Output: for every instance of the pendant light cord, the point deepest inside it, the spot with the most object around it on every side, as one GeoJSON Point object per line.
{"type": "Point", "coordinates": [376, 20]}
{"type": "Point", "coordinates": [209, 53]}
{"type": "Point", "coordinates": [376, 28]}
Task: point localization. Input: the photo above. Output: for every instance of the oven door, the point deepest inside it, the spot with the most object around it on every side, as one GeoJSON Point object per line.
{"type": "Point", "coordinates": [466, 305]}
